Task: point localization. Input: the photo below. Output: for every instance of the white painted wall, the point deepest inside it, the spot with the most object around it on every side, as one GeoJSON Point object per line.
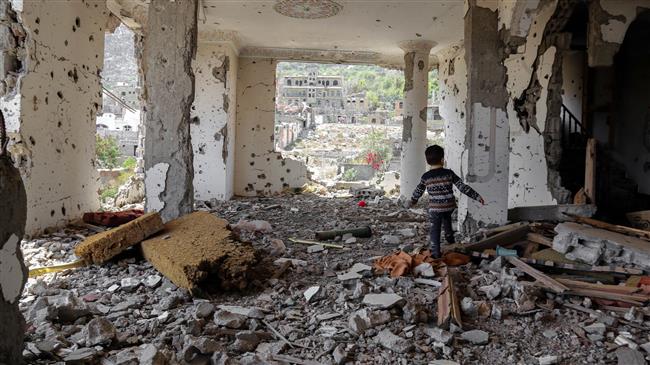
{"type": "Point", "coordinates": [528, 184]}
{"type": "Point", "coordinates": [213, 121]}
{"type": "Point", "coordinates": [259, 169]}
{"type": "Point", "coordinates": [59, 98]}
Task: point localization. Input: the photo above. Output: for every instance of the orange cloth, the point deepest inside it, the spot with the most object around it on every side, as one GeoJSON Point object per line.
{"type": "Point", "coordinates": [400, 263]}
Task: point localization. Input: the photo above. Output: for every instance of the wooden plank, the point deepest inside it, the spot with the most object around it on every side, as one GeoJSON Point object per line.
{"type": "Point", "coordinates": [550, 212]}
{"type": "Point", "coordinates": [625, 298]}
{"type": "Point", "coordinates": [448, 307]}
{"type": "Point", "coordinates": [541, 239]}
{"type": "Point", "coordinates": [542, 278]}
{"type": "Point", "coordinates": [590, 170]}
{"type": "Point", "coordinates": [502, 239]}
{"type": "Point", "coordinates": [611, 227]}
{"type": "Point", "coordinates": [616, 289]}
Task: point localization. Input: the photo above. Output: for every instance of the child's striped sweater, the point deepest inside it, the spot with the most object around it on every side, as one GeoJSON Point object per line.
{"type": "Point", "coordinates": [438, 183]}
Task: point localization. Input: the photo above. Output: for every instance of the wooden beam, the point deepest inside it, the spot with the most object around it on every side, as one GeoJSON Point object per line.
{"type": "Point", "coordinates": [611, 227]}
{"type": "Point", "coordinates": [542, 278]}
{"type": "Point", "coordinates": [616, 289]}
{"type": "Point", "coordinates": [502, 239]}
{"type": "Point", "coordinates": [541, 239]}
{"type": "Point", "coordinates": [590, 170]}
{"type": "Point", "coordinates": [448, 307]}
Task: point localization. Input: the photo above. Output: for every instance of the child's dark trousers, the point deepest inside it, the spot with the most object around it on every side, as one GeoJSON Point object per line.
{"type": "Point", "coordinates": [439, 221]}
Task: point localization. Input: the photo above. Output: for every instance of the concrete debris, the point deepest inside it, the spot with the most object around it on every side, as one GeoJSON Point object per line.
{"type": "Point", "coordinates": [476, 337]}
{"type": "Point", "coordinates": [394, 343]}
{"type": "Point", "coordinates": [198, 250]}
{"type": "Point", "coordinates": [132, 192]}
{"type": "Point", "coordinates": [106, 245]}
{"type": "Point", "coordinates": [128, 312]}
{"type": "Point", "coordinates": [383, 301]}
{"type": "Point", "coordinates": [628, 356]}
{"type": "Point", "coordinates": [255, 226]}
{"type": "Point", "coordinates": [315, 248]}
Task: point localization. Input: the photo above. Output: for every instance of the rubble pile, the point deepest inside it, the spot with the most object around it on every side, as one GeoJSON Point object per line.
{"type": "Point", "coordinates": [323, 302]}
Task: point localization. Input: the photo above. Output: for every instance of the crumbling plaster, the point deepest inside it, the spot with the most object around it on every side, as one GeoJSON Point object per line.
{"type": "Point", "coordinates": [169, 94]}
{"type": "Point", "coordinates": [54, 106]}
{"type": "Point", "coordinates": [213, 120]}
{"type": "Point", "coordinates": [608, 23]}
{"type": "Point", "coordinates": [259, 169]}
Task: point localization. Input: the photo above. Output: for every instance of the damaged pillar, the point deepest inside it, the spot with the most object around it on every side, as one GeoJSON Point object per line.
{"type": "Point", "coordinates": [213, 119]}
{"type": "Point", "coordinates": [169, 48]}
{"type": "Point", "coordinates": [414, 132]}
{"type": "Point", "coordinates": [13, 274]}
{"type": "Point", "coordinates": [486, 137]}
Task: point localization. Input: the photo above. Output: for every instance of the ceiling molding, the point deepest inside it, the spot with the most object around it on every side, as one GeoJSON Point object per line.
{"type": "Point", "coordinates": [227, 37]}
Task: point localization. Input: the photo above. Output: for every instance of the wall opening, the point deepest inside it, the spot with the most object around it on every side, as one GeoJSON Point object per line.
{"type": "Point", "coordinates": [118, 121]}
{"type": "Point", "coordinates": [345, 121]}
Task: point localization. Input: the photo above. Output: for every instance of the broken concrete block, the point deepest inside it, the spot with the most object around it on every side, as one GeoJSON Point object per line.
{"type": "Point", "coordinates": [100, 331]}
{"type": "Point", "coordinates": [198, 250]}
{"type": "Point", "coordinates": [390, 239]}
{"type": "Point", "coordinates": [312, 293]}
{"type": "Point", "coordinates": [438, 334]}
{"type": "Point", "coordinates": [250, 312]}
{"type": "Point", "coordinates": [628, 356]}
{"type": "Point", "coordinates": [106, 245]}
{"type": "Point", "coordinates": [364, 319]}
{"type": "Point", "coordinates": [228, 319]}
{"type": "Point", "coordinates": [597, 328]}
{"type": "Point", "coordinates": [383, 301]}
{"type": "Point", "coordinates": [424, 269]}
{"type": "Point", "coordinates": [315, 248]}
{"type": "Point", "coordinates": [394, 343]}
{"type": "Point", "coordinates": [476, 337]}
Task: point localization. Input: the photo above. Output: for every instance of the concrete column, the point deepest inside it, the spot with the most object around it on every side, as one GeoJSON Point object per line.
{"type": "Point", "coordinates": [487, 128]}
{"type": "Point", "coordinates": [213, 120]}
{"type": "Point", "coordinates": [169, 47]}
{"type": "Point", "coordinates": [414, 133]}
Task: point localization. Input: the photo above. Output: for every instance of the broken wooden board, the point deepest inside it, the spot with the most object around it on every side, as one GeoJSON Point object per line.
{"type": "Point", "coordinates": [611, 227]}
{"type": "Point", "coordinates": [616, 289]}
{"type": "Point", "coordinates": [543, 279]}
{"type": "Point", "coordinates": [550, 212]}
{"type": "Point", "coordinates": [199, 250]}
{"type": "Point", "coordinates": [103, 246]}
{"type": "Point", "coordinates": [448, 307]}
{"type": "Point", "coordinates": [573, 267]}
{"type": "Point", "coordinates": [540, 239]}
{"type": "Point", "coordinates": [503, 239]}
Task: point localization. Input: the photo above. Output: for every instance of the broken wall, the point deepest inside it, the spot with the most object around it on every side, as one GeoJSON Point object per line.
{"type": "Point", "coordinates": [53, 106]}
{"type": "Point", "coordinates": [213, 120]}
{"type": "Point", "coordinates": [259, 169]}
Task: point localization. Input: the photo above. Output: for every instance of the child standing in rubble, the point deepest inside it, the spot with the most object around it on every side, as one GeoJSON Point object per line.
{"type": "Point", "coordinates": [438, 182]}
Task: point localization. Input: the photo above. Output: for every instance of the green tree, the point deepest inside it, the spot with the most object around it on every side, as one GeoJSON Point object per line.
{"type": "Point", "coordinates": [107, 152]}
{"type": "Point", "coordinates": [372, 99]}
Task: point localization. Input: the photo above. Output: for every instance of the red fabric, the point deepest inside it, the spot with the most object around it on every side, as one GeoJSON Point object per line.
{"type": "Point", "coordinates": [112, 219]}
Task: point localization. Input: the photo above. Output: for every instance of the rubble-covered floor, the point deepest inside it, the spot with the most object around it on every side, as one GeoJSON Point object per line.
{"type": "Point", "coordinates": [125, 312]}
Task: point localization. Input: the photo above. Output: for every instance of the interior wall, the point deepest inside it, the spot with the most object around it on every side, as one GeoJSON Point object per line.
{"type": "Point", "coordinates": [631, 120]}
{"type": "Point", "coordinates": [573, 66]}
{"type": "Point", "coordinates": [259, 170]}
{"type": "Point", "coordinates": [54, 108]}
{"type": "Point", "coordinates": [213, 120]}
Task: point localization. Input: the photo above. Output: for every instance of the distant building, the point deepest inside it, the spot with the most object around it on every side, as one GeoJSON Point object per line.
{"type": "Point", "coordinates": [323, 94]}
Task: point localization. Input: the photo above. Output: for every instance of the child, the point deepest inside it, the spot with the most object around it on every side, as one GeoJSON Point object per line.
{"type": "Point", "coordinates": [438, 182]}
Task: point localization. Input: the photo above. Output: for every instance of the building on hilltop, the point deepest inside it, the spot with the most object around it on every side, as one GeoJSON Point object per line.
{"type": "Point", "coordinates": [325, 95]}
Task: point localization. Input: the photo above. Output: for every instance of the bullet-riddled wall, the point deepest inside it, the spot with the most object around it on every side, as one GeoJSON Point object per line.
{"type": "Point", "coordinates": [259, 169]}
{"type": "Point", "coordinates": [54, 105]}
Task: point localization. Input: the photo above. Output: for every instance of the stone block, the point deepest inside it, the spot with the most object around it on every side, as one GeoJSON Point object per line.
{"type": "Point", "coordinates": [198, 250]}
{"type": "Point", "coordinates": [106, 245]}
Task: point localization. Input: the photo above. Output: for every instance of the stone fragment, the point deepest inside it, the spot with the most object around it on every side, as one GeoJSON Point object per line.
{"type": "Point", "coordinates": [443, 362]}
{"type": "Point", "coordinates": [103, 246]}
{"type": "Point", "coordinates": [246, 341]}
{"type": "Point", "coordinates": [628, 356]}
{"type": "Point", "coordinates": [250, 312]}
{"type": "Point", "coordinates": [100, 331]}
{"type": "Point", "coordinates": [312, 293]}
{"type": "Point", "coordinates": [359, 267]}
{"type": "Point", "coordinates": [254, 226]}
{"type": "Point", "coordinates": [203, 310]}
{"type": "Point", "coordinates": [348, 276]}
{"type": "Point", "coordinates": [340, 354]}
{"type": "Point", "coordinates": [425, 270]}
{"type": "Point", "coordinates": [468, 307]}
{"type": "Point", "coordinates": [315, 248]}
{"type": "Point", "coordinates": [198, 249]}
{"type": "Point", "coordinates": [407, 232]}
{"type": "Point", "coordinates": [438, 334]}
{"type": "Point", "coordinates": [129, 284]}
{"type": "Point", "coordinates": [220, 358]}
{"type": "Point", "coordinates": [66, 307]}
{"type": "Point", "coordinates": [364, 319]}
{"type": "Point", "coordinates": [149, 355]}
{"type": "Point", "coordinates": [351, 240]}
{"type": "Point", "coordinates": [476, 337]}
{"type": "Point", "coordinates": [394, 343]}
{"type": "Point", "coordinates": [391, 240]}
{"type": "Point", "coordinates": [81, 356]}
{"type": "Point", "coordinates": [547, 360]}
{"type": "Point", "coordinates": [228, 319]}
{"type": "Point", "coordinates": [491, 291]}
{"type": "Point", "coordinates": [596, 328]}
{"type": "Point", "coordinates": [430, 282]}
{"type": "Point", "coordinates": [383, 301]}
{"type": "Point", "coordinates": [152, 281]}
{"type": "Point", "coordinates": [294, 262]}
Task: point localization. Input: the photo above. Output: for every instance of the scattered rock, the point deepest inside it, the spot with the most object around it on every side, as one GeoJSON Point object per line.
{"type": "Point", "coordinates": [628, 356]}
{"type": "Point", "coordinates": [313, 293]}
{"type": "Point", "coordinates": [383, 301]}
{"type": "Point", "coordinates": [394, 343]}
{"type": "Point", "coordinates": [476, 337]}
{"type": "Point", "coordinates": [100, 331]}
{"type": "Point", "coordinates": [229, 319]}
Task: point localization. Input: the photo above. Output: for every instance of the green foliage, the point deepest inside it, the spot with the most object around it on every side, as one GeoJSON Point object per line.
{"type": "Point", "coordinates": [108, 193]}
{"type": "Point", "coordinates": [377, 149]}
{"type": "Point", "coordinates": [350, 175]}
{"type": "Point", "coordinates": [130, 163]}
{"type": "Point", "coordinates": [107, 152]}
